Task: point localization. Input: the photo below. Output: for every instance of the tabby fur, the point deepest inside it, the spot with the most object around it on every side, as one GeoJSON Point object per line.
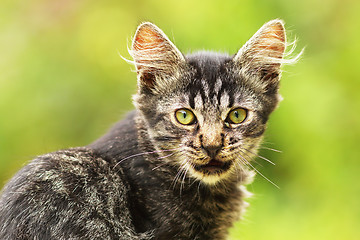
{"type": "Point", "coordinates": [151, 177]}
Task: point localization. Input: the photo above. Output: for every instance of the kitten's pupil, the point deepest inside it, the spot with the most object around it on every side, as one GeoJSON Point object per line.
{"type": "Point", "coordinates": [236, 114]}
{"type": "Point", "coordinates": [184, 114]}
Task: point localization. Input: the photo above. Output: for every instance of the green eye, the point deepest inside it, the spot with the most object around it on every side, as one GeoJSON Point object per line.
{"type": "Point", "coordinates": [185, 116]}
{"type": "Point", "coordinates": [237, 116]}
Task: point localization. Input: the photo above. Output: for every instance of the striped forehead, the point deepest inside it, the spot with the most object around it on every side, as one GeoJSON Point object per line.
{"type": "Point", "coordinates": [207, 96]}
{"type": "Point", "coordinates": [209, 86]}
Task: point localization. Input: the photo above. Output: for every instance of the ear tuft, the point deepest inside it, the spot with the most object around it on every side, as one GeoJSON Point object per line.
{"type": "Point", "coordinates": [154, 54]}
{"type": "Point", "coordinates": [261, 57]}
{"type": "Point", "coordinates": [272, 39]}
{"type": "Point", "coordinates": [266, 48]}
{"type": "Point", "coordinates": [147, 36]}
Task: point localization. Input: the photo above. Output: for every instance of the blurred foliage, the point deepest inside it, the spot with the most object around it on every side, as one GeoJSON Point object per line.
{"type": "Point", "coordinates": [62, 84]}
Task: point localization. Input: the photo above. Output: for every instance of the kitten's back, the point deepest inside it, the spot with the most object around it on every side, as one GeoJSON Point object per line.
{"type": "Point", "coordinates": [72, 194]}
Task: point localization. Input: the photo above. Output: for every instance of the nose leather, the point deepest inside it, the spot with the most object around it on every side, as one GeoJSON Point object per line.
{"type": "Point", "coordinates": [213, 150]}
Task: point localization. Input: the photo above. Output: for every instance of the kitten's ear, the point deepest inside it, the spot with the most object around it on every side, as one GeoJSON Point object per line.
{"type": "Point", "coordinates": [155, 56]}
{"type": "Point", "coordinates": [263, 53]}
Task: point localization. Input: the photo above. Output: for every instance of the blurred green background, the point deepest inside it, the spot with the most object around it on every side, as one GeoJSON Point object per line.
{"type": "Point", "coordinates": [63, 84]}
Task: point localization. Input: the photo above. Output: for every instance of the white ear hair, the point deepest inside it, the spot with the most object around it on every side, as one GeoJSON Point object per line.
{"type": "Point", "coordinates": [265, 47]}
{"type": "Point", "coordinates": [261, 57]}
{"type": "Point", "coordinates": [151, 48]}
{"type": "Point", "coordinates": [155, 56]}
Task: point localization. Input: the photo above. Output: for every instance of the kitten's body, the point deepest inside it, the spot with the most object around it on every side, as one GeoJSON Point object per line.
{"type": "Point", "coordinates": [152, 176]}
{"type": "Point", "coordinates": [84, 193]}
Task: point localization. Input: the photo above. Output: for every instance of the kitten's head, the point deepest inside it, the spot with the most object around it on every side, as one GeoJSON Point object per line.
{"type": "Point", "coordinates": [207, 112]}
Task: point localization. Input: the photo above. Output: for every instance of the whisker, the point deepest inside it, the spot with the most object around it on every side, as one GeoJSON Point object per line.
{"type": "Point", "coordinates": [167, 155]}
{"type": "Point", "coordinates": [240, 146]}
{"type": "Point", "coordinates": [183, 180]}
{"type": "Point", "coordinates": [271, 149]}
{"type": "Point", "coordinates": [164, 162]}
{"type": "Point", "coordinates": [249, 158]}
{"type": "Point", "coordinates": [259, 156]}
{"type": "Point", "coordinates": [178, 175]}
{"type": "Point", "coordinates": [190, 150]}
{"type": "Point", "coordinates": [246, 162]}
{"type": "Point", "coordinates": [154, 168]}
{"type": "Point", "coordinates": [143, 153]}
{"type": "Point", "coordinates": [241, 168]}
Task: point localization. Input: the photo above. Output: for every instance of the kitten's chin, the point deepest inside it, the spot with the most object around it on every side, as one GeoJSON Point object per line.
{"type": "Point", "coordinates": [212, 172]}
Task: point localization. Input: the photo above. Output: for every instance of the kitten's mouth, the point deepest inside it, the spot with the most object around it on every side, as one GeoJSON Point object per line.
{"type": "Point", "coordinates": [213, 167]}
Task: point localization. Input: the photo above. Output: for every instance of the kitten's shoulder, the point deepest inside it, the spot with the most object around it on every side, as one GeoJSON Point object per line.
{"type": "Point", "coordinates": [77, 193]}
{"type": "Point", "coordinates": [55, 195]}
{"type": "Point", "coordinates": [66, 172]}
{"type": "Point", "coordinates": [57, 170]}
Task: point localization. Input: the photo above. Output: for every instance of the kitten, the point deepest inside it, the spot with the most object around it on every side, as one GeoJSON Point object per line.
{"type": "Point", "coordinates": [174, 168]}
